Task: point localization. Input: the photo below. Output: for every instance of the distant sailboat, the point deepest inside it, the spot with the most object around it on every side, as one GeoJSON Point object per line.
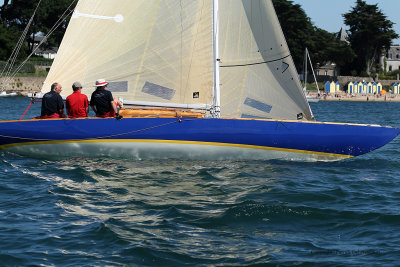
{"type": "Point", "coordinates": [204, 79]}
{"type": "Point", "coordinates": [306, 59]}
{"type": "Point", "coordinates": [5, 94]}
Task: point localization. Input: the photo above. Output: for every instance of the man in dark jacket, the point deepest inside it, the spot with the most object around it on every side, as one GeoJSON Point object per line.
{"type": "Point", "coordinates": [52, 103]}
{"type": "Point", "coordinates": [102, 101]}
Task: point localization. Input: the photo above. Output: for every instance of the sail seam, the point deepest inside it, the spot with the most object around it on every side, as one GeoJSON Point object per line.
{"type": "Point", "coordinates": [256, 63]}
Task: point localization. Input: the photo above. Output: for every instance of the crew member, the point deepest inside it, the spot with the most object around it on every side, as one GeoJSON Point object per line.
{"type": "Point", "coordinates": [52, 103]}
{"type": "Point", "coordinates": [77, 103]}
{"type": "Point", "coordinates": [102, 101]}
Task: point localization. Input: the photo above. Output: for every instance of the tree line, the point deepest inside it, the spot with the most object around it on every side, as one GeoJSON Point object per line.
{"type": "Point", "coordinates": [15, 16]}
{"type": "Point", "coordinates": [370, 33]}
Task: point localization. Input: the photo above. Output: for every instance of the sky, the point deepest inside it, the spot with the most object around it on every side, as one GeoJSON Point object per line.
{"type": "Point", "coordinates": [327, 14]}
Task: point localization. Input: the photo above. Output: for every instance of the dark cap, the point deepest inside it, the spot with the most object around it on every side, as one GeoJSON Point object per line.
{"type": "Point", "coordinates": [76, 85]}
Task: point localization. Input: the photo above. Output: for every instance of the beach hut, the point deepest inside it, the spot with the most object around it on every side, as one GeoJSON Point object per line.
{"type": "Point", "coordinates": [395, 88]}
{"type": "Point", "coordinates": [374, 88]}
{"type": "Point", "coordinates": [369, 88]}
{"type": "Point", "coordinates": [350, 88]}
{"type": "Point", "coordinates": [333, 88]}
{"type": "Point", "coordinates": [327, 87]}
{"type": "Point", "coordinates": [379, 88]}
{"type": "Point", "coordinates": [356, 91]}
{"type": "Point", "coordinates": [364, 88]}
{"type": "Point", "coordinates": [337, 87]}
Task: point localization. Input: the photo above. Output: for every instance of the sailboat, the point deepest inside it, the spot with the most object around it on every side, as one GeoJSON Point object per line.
{"type": "Point", "coordinates": [307, 58]}
{"type": "Point", "coordinates": [202, 79]}
{"type": "Point", "coordinates": [5, 94]}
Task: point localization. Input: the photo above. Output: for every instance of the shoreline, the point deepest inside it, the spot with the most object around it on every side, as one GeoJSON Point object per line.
{"type": "Point", "coordinates": [22, 85]}
{"type": "Point", "coordinates": [357, 97]}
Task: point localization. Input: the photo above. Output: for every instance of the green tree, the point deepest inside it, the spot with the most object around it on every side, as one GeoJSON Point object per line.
{"type": "Point", "coordinates": [8, 35]}
{"type": "Point", "coordinates": [297, 28]}
{"type": "Point", "coordinates": [370, 33]}
{"type": "Point", "coordinates": [16, 14]}
{"type": "Point", "coordinates": [327, 47]}
{"type": "Point", "coordinates": [300, 33]}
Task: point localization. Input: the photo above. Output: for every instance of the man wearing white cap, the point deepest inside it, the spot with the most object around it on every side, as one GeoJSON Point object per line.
{"type": "Point", "coordinates": [102, 101]}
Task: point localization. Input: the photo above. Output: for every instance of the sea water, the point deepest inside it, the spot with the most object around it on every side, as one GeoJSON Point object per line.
{"type": "Point", "coordinates": [88, 211]}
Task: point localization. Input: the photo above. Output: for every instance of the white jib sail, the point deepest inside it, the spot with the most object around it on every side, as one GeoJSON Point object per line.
{"type": "Point", "coordinates": [258, 77]}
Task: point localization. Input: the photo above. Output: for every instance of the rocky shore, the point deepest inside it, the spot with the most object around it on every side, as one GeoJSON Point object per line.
{"type": "Point", "coordinates": [22, 85]}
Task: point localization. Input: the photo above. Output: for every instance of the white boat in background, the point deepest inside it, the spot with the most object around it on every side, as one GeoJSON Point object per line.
{"type": "Point", "coordinates": [307, 58]}
{"type": "Point", "coordinates": [5, 94]}
{"type": "Point", "coordinates": [312, 99]}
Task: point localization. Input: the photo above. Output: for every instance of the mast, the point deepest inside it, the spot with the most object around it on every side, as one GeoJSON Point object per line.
{"type": "Point", "coordinates": [305, 68]}
{"type": "Point", "coordinates": [217, 97]}
{"type": "Point", "coordinates": [315, 79]}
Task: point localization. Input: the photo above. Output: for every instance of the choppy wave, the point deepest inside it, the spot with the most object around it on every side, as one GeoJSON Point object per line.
{"type": "Point", "coordinates": [118, 212]}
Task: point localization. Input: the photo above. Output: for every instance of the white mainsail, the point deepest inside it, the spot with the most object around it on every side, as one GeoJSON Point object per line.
{"type": "Point", "coordinates": [162, 51]}
{"type": "Point", "coordinates": [158, 51]}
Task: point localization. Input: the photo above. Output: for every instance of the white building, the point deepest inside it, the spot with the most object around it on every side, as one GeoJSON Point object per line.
{"type": "Point", "coordinates": [392, 58]}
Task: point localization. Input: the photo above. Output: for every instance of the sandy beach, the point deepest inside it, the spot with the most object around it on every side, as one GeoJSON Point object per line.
{"type": "Point", "coordinates": [388, 97]}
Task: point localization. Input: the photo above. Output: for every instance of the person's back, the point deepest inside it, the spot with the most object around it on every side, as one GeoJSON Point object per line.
{"type": "Point", "coordinates": [52, 103]}
{"type": "Point", "coordinates": [102, 101]}
{"type": "Point", "coordinates": [77, 103]}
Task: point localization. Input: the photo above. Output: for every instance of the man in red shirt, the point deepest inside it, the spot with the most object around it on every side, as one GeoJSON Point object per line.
{"type": "Point", "coordinates": [77, 103]}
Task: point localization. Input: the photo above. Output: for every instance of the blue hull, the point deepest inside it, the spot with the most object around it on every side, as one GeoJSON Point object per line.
{"type": "Point", "coordinates": [312, 139]}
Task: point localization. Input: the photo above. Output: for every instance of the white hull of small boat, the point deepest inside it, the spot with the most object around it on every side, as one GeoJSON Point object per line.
{"type": "Point", "coordinates": [4, 94]}
{"type": "Point", "coordinates": [312, 99]}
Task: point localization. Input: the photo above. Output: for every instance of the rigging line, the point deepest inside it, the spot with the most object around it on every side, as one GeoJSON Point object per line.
{"type": "Point", "coordinates": [11, 60]}
{"type": "Point", "coordinates": [20, 42]}
{"type": "Point", "coordinates": [18, 46]}
{"type": "Point", "coordinates": [58, 23]}
{"type": "Point", "coordinates": [21, 39]}
{"type": "Point", "coordinates": [257, 63]}
{"type": "Point", "coordinates": [60, 20]}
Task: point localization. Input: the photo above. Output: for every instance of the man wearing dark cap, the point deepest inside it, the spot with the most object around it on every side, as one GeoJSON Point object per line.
{"type": "Point", "coordinates": [77, 103]}
{"type": "Point", "coordinates": [52, 103]}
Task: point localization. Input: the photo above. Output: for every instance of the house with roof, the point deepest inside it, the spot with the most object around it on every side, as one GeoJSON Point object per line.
{"type": "Point", "coordinates": [391, 61]}
{"type": "Point", "coordinates": [43, 50]}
